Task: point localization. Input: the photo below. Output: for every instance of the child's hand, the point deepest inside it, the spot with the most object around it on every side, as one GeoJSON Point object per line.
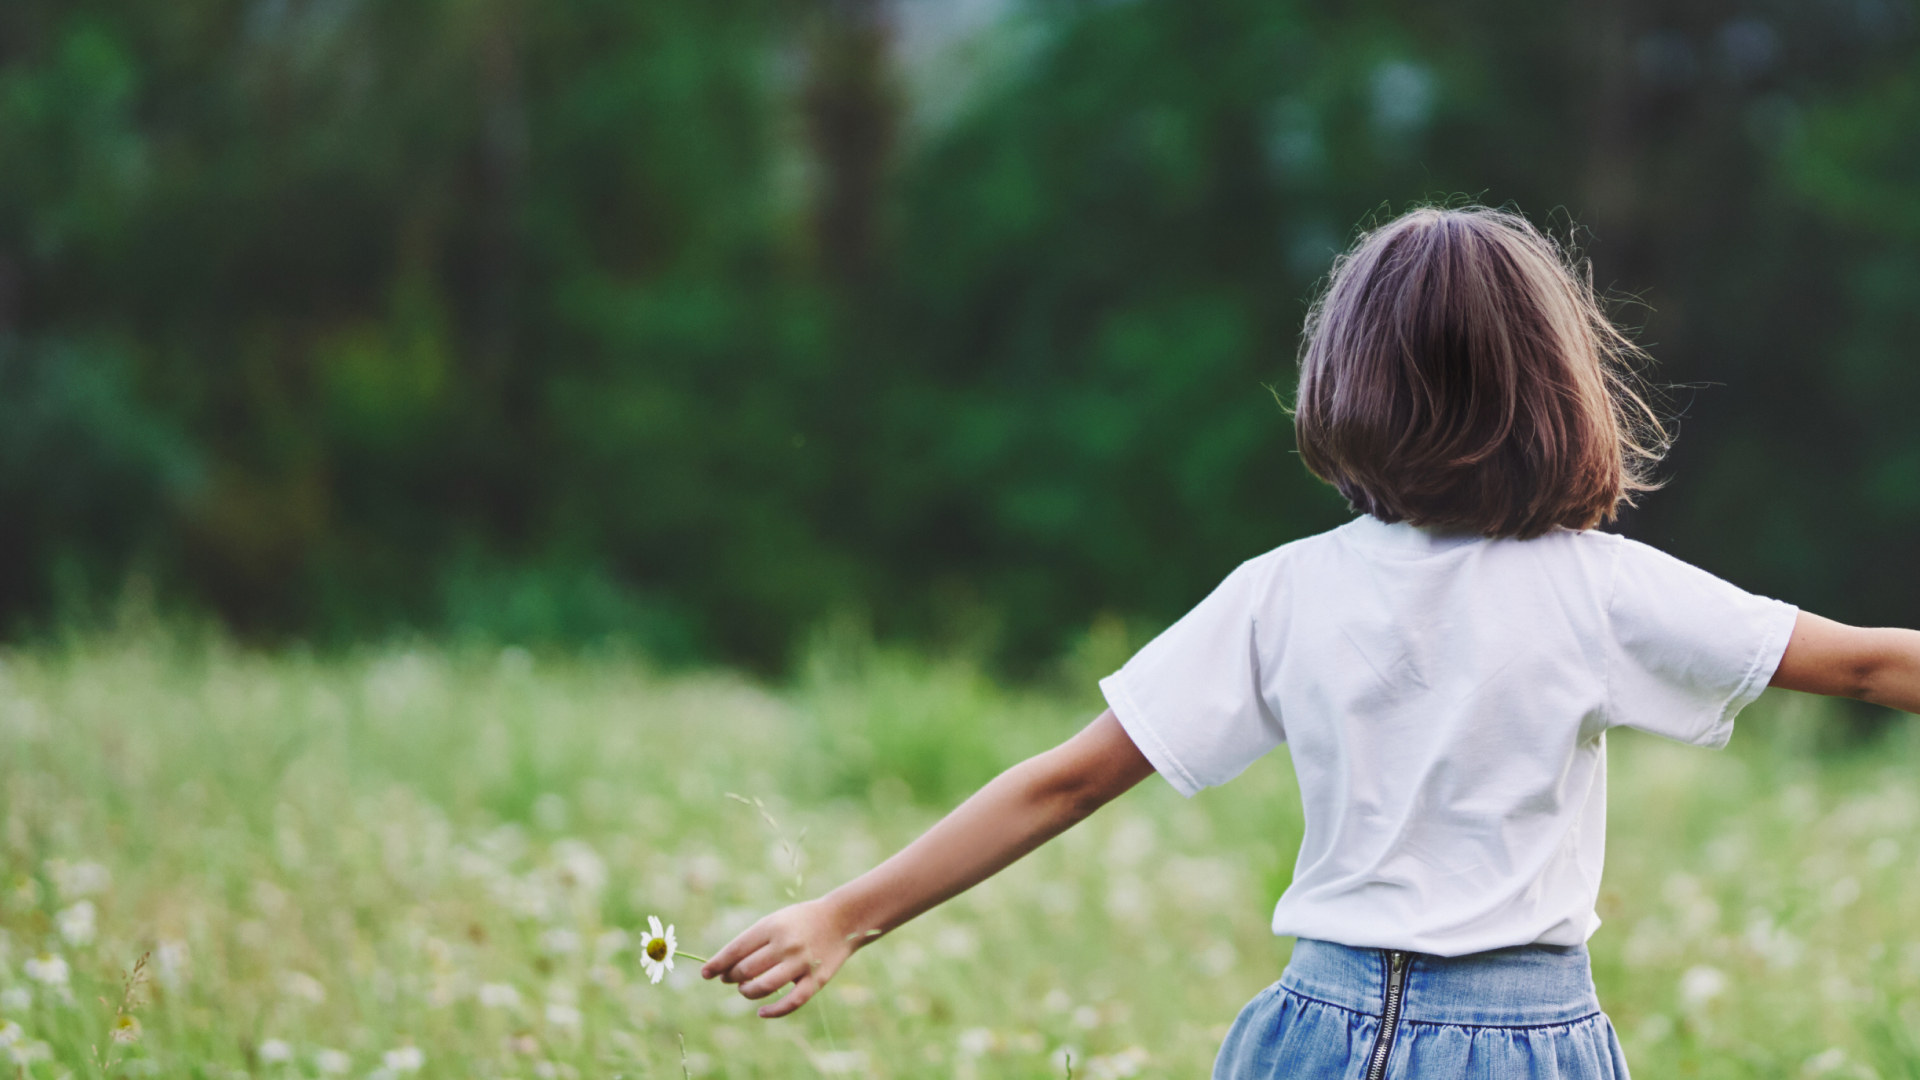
{"type": "Point", "coordinates": [801, 944]}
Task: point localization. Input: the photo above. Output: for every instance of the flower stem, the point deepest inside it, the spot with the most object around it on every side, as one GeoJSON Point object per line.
{"type": "Point", "coordinates": [690, 956]}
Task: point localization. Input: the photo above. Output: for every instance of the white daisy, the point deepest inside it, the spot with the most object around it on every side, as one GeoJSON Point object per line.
{"type": "Point", "coordinates": [77, 923]}
{"type": "Point", "coordinates": [498, 996]}
{"type": "Point", "coordinates": [126, 1029]}
{"type": "Point", "coordinates": [47, 968]}
{"type": "Point", "coordinates": [656, 949]}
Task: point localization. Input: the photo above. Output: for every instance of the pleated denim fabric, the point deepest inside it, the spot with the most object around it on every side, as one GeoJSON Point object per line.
{"type": "Point", "coordinates": [1509, 1014]}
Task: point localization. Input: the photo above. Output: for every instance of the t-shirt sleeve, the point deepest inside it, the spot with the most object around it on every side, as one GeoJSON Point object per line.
{"type": "Point", "coordinates": [1191, 700]}
{"type": "Point", "coordinates": [1687, 650]}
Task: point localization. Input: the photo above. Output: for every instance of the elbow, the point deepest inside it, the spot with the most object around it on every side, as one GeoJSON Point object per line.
{"type": "Point", "coordinates": [1863, 683]}
{"type": "Point", "coordinates": [1872, 681]}
{"type": "Point", "coordinates": [1065, 796]}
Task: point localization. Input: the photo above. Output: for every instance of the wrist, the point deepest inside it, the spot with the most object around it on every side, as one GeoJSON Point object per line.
{"type": "Point", "coordinates": [849, 916]}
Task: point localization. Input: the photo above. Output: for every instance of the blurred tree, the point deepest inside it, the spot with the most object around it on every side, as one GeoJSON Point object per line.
{"type": "Point", "coordinates": [655, 319]}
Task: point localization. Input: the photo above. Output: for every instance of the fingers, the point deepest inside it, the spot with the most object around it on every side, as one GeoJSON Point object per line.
{"type": "Point", "coordinates": [779, 975]}
{"type": "Point", "coordinates": [749, 942]}
{"type": "Point", "coordinates": [767, 956]}
{"type": "Point", "coordinates": [803, 990]}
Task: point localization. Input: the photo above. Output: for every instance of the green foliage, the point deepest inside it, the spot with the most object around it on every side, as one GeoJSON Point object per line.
{"type": "Point", "coordinates": [338, 319]}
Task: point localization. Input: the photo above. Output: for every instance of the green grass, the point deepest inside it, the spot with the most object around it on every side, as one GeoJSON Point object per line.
{"type": "Point", "coordinates": [443, 850]}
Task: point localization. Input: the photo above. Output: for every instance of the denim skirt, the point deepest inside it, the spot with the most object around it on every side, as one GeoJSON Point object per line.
{"type": "Point", "coordinates": [1368, 1014]}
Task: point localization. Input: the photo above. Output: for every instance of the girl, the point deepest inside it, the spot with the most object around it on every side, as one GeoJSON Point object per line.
{"type": "Point", "coordinates": [1444, 669]}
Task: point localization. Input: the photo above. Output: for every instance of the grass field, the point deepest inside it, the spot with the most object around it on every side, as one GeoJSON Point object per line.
{"type": "Point", "coordinates": [433, 863]}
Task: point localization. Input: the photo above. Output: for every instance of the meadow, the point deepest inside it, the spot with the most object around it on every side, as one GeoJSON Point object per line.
{"type": "Point", "coordinates": [435, 861]}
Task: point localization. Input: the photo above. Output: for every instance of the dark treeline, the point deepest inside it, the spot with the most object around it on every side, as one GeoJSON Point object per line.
{"type": "Point", "coordinates": [693, 321]}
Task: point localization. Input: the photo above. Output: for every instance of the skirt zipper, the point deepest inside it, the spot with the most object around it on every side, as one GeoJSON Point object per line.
{"type": "Point", "coordinates": [1390, 1022]}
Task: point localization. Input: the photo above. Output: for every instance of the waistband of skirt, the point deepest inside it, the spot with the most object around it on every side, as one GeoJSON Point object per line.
{"type": "Point", "coordinates": [1524, 986]}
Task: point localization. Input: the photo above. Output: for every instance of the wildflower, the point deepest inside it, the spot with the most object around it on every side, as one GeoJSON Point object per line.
{"type": "Point", "coordinates": [126, 1029]}
{"type": "Point", "coordinates": [560, 942]}
{"type": "Point", "coordinates": [956, 941]}
{"type": "Point", "coordinates": [841, 1062]}
{"type": "Point", "coordinates": [563, 1015]}
{"type": "Point", "coordinates": [332, 1062]}
{"type": "Point", "coordinates": [16, 999]}
{"type": "Point", "coordinates": [75, 880]}
{"type": "Point", "coordinates": [578, 866]}
{"type": "Point", "coordinates": [26, 1053]}
{"type": "Point", "coordinates": [47, 968]}
{"type": "Point", "coordinates": [1830, 1060]}
{"type": "Point", "coordinates": [977, 1041]}
{"type": "Point", "coordinates": [299, 984]}
{"type": "Point", "coordinates": [1118, 1066]}
{"type": "Point", "coordinates": [1700, 985]}
{"type": "Point", "coordinates": [275, 1052]}
{"type": "Point", "coordinates": [657, 948]}
{"type": "Point", "coordinates": [172, 958]}
{"type": "Point", "coordinates": [10, 1033]}
{"type": "Point", "coordinates": [404, 1059]}
{"type": "Point", "coordinates": [77, 923]}
{"type": "Point", "coordinates": [498, 996]}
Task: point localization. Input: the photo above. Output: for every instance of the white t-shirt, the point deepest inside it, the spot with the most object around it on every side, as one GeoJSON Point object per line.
{"type": "Point", "coordinates": [1446, 700]}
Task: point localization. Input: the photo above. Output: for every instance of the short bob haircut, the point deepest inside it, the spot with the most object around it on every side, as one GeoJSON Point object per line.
{"type": "Point", "coordinates": [1458, 373]}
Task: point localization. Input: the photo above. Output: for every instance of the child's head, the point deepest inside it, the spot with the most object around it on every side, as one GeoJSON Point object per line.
{"type": "Point", "coordinates": [1458, 372]}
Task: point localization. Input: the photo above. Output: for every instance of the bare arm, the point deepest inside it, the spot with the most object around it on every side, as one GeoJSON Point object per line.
{"type": "Point", "coordinates": [1826, 657]}
{"type": "Point", "coordinates": [1019, 810]}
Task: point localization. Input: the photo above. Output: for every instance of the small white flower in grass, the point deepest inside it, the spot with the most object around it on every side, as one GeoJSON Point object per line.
{"type": "Point", "coordinates": [126, 1029]}
{"type": "Point", "coordinates": [299, 984]}
{"type": "Point", "coordinates": [275, 1052]}
{"type": "Point", "coordinates": [842, 1062]}
{"type": "Point", "coordinates": [404, 1059]}
{"type": "Point", "coordinates": [10, 1033]}
{"type": "Point", "coordinates": [1118, 1066]}
{"type": "Point", "coordinates": [74, 880]}
{"type": "Point", "coordinates": [498, 996]}
{"type": "Point", "coordinates": [1830, 1060]}
{"type": "Point", "coordinates": [47, 968]}
{"type": "Point", "coordinates": [171, 960]}
{"type": "Point", "coordinates": [563, 1015]}
{"type": "Point", "coordinates": [656, 949]}
{"type": "Point", "coordinates": [77, 923]}
{"type": "Point", "coordinates": [1700, 985]}
{"type": "Point", "coordinates": [26, 1053]}
{"type": "Point", "coordinates": [977, 1041]}
{"type": "Point", "coordinates": [332, 1062]}
{"type": "Point", "coordinates": [16, 999]}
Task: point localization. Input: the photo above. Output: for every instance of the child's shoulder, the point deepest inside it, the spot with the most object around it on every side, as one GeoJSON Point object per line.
{"type": "Point", "coordinates": [1366, 538]}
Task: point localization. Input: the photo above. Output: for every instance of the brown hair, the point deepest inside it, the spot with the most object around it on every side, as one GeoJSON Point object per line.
{"type": "Point", "coordinates": [1458, 372]}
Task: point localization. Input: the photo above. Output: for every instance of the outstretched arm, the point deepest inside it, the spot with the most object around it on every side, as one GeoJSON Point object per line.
{"type": "Point", "coordinates": [1022, 808]}
{"type": "Point", "coordinates": [1826, 657]}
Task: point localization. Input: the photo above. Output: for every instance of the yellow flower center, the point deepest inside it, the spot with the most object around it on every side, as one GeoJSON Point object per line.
{"type": "Point", "coordinates": [657, 949]}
